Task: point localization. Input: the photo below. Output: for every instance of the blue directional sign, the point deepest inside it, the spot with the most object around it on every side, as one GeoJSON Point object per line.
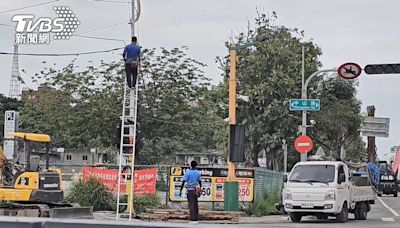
{"type": "Point", "coordinates": [304, 104]}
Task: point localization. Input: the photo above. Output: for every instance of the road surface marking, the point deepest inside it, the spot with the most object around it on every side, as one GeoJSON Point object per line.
{"type": "Point", "coordinates": [387, 219]}
{"type": "Point", "coordinates": [390, 209]}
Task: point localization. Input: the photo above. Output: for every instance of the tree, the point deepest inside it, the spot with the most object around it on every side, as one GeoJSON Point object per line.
{"type": "Point", "coordinates": [77, 108]}
{"type": "Point", "coordinates": [175, 107]}
{"type": "Point", "coordinates": [176, 102]}
{"type": "Point", "coordinates": [339, 120]}
{"type": "Point", "coordinates": [269, 73]}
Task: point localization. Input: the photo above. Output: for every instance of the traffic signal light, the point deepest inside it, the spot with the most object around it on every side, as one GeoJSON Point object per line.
{"type": "Point", "coordinates": [237, 143]}
{"type": "Point", "coordinates": [382, 69]}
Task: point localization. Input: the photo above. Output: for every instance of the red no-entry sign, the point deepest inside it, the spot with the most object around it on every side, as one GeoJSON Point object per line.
{"type": "Point", "coordinates": [303, 144]}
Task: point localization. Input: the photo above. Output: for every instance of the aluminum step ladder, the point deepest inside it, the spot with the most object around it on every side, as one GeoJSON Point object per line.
{"type": "Point", "coordinates": [126, 210]}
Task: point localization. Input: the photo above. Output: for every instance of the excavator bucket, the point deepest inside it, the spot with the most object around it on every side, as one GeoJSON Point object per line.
{"type": "Point", "coordinates": [71, 212]}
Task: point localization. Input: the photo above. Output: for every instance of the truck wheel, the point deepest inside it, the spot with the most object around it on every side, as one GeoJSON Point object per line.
{"type": "Point", "coordinates": [379, 194]}
{"type": "Point", "coordinates": [395, 194]}
{"type": "Point", "coordinates": [357, 213]}
{"type": "Point", "coordinates": [363, 211]}
{"type": "Point", "coordinates": [343, 215]}
{"type": "Point", "coordinates": [295, 217]}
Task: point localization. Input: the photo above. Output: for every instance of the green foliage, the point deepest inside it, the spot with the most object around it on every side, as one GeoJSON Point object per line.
{"type": "Point", "coordinates": [339, 120]}
{"type": "Point", "coordinates": [141, 203]}
{"type": "Point", "coordinates": [269, 73]}
{"type": "Point", "coordinates": [82, 108]}
{"type": "Point", "coordinates": [176, 109]}
{"type": "Point", "coordinates": [77, 108]}
{"type": "Point", "coordinates": [180, 112]}
{"type": "Point", "coordinates": [91, 193]}
{"type": "Point", "coordinates": [264, 207]}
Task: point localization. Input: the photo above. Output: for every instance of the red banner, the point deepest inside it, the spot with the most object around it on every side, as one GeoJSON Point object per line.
{"type": "Point", "coordinates": [145, 181]}
{"type": "Point", "coordinates": [144, 184]}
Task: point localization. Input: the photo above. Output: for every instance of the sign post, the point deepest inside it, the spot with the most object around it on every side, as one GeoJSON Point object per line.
{"type": "Point", "coordinates": [349, 71]}
{"type": "Point", "coordinates": [10, 125]}
{"type": "Point", "coordinates": [303, 144]}
{"type": "Point", "coordinates": [375, 127]}
{"type": "Point", "coordinates": [304, 104]}
{"type": "Point", "coordinates": [304, 96]}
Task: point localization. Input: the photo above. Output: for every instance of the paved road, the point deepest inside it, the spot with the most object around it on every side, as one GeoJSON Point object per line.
{"type": "Point", "coordinates": [384, 214]}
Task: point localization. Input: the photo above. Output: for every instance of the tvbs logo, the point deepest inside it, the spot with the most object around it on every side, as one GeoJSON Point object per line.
{"type": "Point", "coordinates": [25, 23]}
{"type": "Point", "coordinates": [31, 30]}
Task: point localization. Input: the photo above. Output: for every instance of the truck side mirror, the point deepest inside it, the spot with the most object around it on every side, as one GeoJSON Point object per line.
{"type": "Point", "coordinates": [341, 178]}
{"type": "Point", "coordinates": [284, 178]}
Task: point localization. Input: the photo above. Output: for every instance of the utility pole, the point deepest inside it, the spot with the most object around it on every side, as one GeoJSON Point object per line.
{"type": "Point", "coordinates": [371, 139]}
{"type": "Point", "coordinates": [231, 197]}
{"type": "Point", "coordinates": [303, 156]}
{"type": "Point", "coordinates": [284, 148]}
{"type": "Point", "coordinates": [132, 20]}
{"type": "Point", "coordinates": [231, 186]}
{"type": "Point", "coordinates": [132, 129]}
{"type": "Point", "coordinates": [304, 86]}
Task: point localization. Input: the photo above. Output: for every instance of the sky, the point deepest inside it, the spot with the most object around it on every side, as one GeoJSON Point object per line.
{"type": "Point", "coordinates": [361, 31]}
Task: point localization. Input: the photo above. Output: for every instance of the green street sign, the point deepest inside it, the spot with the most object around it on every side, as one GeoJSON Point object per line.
{"type": "Point", "coordinates": [304, 104]}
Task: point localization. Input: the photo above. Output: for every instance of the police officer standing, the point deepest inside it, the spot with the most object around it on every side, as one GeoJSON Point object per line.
{"type": "Point", "coordinates": [192, 179]}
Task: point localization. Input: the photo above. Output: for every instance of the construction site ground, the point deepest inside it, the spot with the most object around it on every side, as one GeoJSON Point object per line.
{"type": "Point", "coordinates": [212, 217]}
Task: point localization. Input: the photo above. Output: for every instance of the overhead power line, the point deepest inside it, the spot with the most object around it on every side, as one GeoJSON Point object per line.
{"type": "Point", "coordinates": [109, 1]}
{"type": "Point", "coordinates": [109, 26]}
{"type": "Point", "coordinates": [99, 38]}
{"type": "Point", "coordinates": [25, 7]}
{"type": "Point", "coordinates": [184, 123]}
{"type": "Point", "coordinates": [1, 24]}
{"type": "Point", "coordinates": [62, 54]}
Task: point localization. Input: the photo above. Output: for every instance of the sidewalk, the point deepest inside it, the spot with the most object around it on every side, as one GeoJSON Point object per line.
{"type": "Point", "coordinates": [271, 219]}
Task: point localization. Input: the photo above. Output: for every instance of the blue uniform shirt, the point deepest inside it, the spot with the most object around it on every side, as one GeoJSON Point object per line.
{"type": "Point", "coordinates": [192, 178]}
{"type": "Point", "coordinates": [132, 52]}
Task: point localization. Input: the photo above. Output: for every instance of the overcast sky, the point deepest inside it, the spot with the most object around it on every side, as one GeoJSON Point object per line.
{"type": "Point", "coordinates": [362, 31]}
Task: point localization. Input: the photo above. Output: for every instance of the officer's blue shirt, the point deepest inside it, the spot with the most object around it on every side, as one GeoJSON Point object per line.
{"type": "Point", "coordinates": [192, 178]}
{"type": "Point", "coordinates": [132, 52]}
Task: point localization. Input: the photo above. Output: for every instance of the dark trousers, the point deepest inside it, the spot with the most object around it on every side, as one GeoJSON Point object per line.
{"type": "Point", "coordinates": [131, 71]}
{"type": "Point", "coordinates": [193, 205]}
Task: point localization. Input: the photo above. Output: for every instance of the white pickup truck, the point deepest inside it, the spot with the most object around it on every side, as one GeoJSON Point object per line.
{"type": "Point", "coordinates": [326, 188]}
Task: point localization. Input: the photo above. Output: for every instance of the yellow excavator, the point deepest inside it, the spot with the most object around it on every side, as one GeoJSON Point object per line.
{"type": "Point", "coordinates": [36, 188]}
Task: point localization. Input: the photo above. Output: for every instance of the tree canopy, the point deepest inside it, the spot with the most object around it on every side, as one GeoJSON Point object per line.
{"type": "Point", "coordinates": [270, 74]}
{"type": "Point", "coordinates": [179, 111]}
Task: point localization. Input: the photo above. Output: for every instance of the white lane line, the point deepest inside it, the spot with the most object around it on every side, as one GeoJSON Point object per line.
{"type": "Point", "coordinates": [390, 209]}
{"type": "Point", "coordinates": [387, 219]}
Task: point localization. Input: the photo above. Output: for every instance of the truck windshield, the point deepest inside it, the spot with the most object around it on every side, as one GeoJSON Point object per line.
{"type": "Point", "coordinates": [313, 173]}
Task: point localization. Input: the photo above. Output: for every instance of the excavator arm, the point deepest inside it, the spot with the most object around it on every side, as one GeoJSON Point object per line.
{"type": "Point", "coordinates": [2, 164]}
{"type": "Point", "coordinates": [2, 158]}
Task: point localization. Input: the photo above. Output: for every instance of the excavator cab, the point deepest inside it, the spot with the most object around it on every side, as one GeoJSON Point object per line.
{"type": "Point", "coordinates": [32, 183]}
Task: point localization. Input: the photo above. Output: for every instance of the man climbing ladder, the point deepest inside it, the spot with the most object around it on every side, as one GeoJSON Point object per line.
{"type": "Point", "coordinates": [131, 56]}
{"type": "Point", "coordinates": [128, 128]}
